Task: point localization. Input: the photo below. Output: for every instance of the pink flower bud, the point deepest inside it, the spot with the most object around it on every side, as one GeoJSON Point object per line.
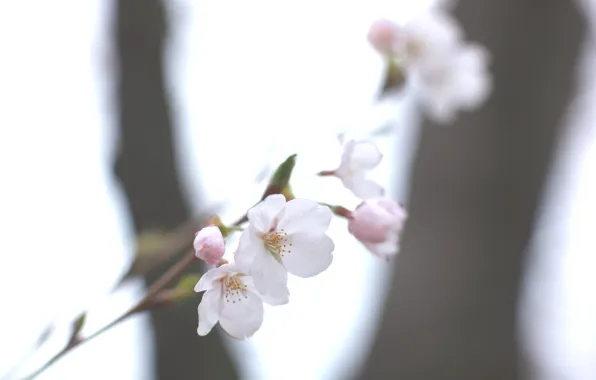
{"type": "Point", "coordinates": [377, 223]}
{"type": "Point", "coordinates": [382, 36]}
{"type": "Point", "coordinates": [209, 245]}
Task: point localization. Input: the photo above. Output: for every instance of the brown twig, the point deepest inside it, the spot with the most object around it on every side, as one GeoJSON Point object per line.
{"type": "Point", "coordinates": [173, 272]}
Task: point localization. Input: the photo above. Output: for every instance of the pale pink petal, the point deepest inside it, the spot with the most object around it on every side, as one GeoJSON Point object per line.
{"type": "Point", "coordinates": [208, 279]}
{"type": "Point", "coordinates": [365, 156]}
{"type": "Point", "coordinates": [364, 188]}
{"type": "Point", "coordinates": [209, 245]}
{"type": "Point", "coordinates": [434, 34]}
{"type": "Point", "coordinates": [262, 216]}
{"type": "Point", "coordinates": [386, 249]}
{"type": "Point", "coordinates": [309, 254]}
{"type": "Point", "coordinates": [270, 278]}
{"type": "Point", "coordinates": [346, 156]}
{"type": "Point", "coordinates": [242, 317]}
{"type": "Point", "coordinates": [210, 309]}
{"type": "Point", "coordinates": [473, 82]}
{"type": "Point", "coordinates": [377, 223]}
{"type": "Point", "coordinates": [381, 35]}
{"type": "Point", "coordinates": [304, 215]}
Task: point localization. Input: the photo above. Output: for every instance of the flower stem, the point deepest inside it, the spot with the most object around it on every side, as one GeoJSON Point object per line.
{"type": "Point", "coordinates": [153, 290]}
{"type": "Point", "coordinates": [338, 210]}
{"type": "Point", "coordinates": [326, 173]}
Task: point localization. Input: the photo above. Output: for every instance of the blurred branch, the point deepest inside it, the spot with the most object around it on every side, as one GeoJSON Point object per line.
{"type": "Point", "coordinates": [163, 246]}
{"type": "Point", "coordinates": [160, 248]}
{"type": "Point", "coordinates": [43, 337]}
{"type": "Point", "coordinates": [172, 273]}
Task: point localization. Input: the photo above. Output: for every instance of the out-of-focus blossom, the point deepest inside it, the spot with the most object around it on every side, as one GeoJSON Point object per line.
{"type": "Point", "coordinates": [231, 299]}
{"type": "Point", "coordinates": [209, 245]}
{"type": "Point", "coordinates": [448, 74]}
{"type": "Point", "coordinates": [460, 83]}
{"type": "Point", "coordinates": [377, 223]}
{"type": "Point", "coordinates": [358, 158]}
{"type": "Point", "coordinates": [284, 237]}
{"type": "Point", "coordinates": [381, 36]}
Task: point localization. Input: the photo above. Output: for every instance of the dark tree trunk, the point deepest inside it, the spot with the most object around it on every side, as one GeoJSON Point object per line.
{"type": "Point", "coordinates": [475, 186]}
{"type": "Point", "coordinates": [148, 173]}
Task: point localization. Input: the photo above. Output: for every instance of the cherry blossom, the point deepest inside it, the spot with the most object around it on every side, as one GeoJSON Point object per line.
{"type": "Point", "coordinates": [377, 223]}
{"type": "Point", "coordinates": [209, 245]}
{"type": "Point", "coordinates": [447, 74]}
{"type": "Point", "coordinates": [284, 237]}
{"type": "Point", "coordinates": [231, 299]}
{"type": "Point", "coordinates": [460, 83]}
{"type": "Point", "coordinates": [358, 158]}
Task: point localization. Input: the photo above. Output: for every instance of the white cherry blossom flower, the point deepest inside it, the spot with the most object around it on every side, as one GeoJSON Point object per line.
{"type": "Point", "coordinates": [358, 158]}
{"type": "Point", "coordinates": [377, 224]}
{"type": "Point", "coordinates": [284, 237]}
{"type": "Point", "coordinates": [231, 299]}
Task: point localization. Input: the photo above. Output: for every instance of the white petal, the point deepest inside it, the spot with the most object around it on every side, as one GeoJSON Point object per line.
{"type": "Point", "coordinates": [346, 156]}
{"type": "Point", "coordinates": [242, 318]}
{"type": "Point", "coordinates": [210, 309]}
{"type": "Point", "coordinates": [364, 188]}
{"type": "Point", "coordinates": [310, 254]}
{"type": "Point", "coordinates": [247, 248]}
{"type": "Point", "coordinates": [270, 278]}
{"type": "Point", "coordinates": [365, 156]}
{"type": "Point", "coordinates": [207, 280]}
{"type": "Point", "coordinates": [304, 215]}
{"type": "Point", "coordinates": [473, 83]}
{"type": "Point", "coordinates": [263, 215]}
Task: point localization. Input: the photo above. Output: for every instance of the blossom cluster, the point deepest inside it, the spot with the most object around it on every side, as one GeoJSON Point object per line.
{"type": "Point", "coordinates": [288, 236]}
{"type": "Point", "coordinates": [447, 73]}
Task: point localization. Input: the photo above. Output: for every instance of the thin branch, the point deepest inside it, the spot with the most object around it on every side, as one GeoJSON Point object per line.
{"type": "Point", "coordinates": [172, 273]}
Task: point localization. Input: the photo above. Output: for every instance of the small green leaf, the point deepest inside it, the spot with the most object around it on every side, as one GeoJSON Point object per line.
{"type": "Point", "coordinates": [79, 323]}
{"type": "Point", "coordinates": [77, 326]}
{"type": "Point", "coordinates": [188, 282]}
{"type": "Point", "coordinates": [395, 77]}
{"type": "Point", "coordinates": [280, 180]}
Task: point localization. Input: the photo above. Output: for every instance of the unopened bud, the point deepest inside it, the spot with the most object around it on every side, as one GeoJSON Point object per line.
{"type": "Point", "coordinates": [209, 245]}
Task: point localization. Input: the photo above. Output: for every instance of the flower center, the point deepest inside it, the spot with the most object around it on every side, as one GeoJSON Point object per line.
{"type": "Point", "coordinates": [276, 242]}
{"type": "Point", "coordinates": [234, 289]}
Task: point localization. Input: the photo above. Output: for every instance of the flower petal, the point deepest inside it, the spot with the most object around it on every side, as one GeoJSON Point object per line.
{"type": "Point", "coordinates": [207, 280]}
{"type": "Point", "coordinates": [304, 215]}
{"type": "Point", "coordinates": [247, 247]}
{"type": "Point", "coordinates": [263, 215]}
{"type": "Point", "coordinates": [270, 278]}
{"type": "Point", "coordinates": [344, 165]}
{"type": "Point", "coordinates": [363, 188]}
{"type": "Point", "coordinates": [384, 250]}
{"type": "Point", "coordinates": [244, 317]}
{"type": "Point", "coordinates": [310, 254]}
{"type": "Point", "coordinates": [209, 310]}
{"type": "Point", "coordinates": [365, 155]}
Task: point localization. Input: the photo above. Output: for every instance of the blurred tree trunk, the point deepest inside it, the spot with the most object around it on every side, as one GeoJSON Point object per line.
{"type": "Point", "coordinates": [452, 311]}
{"type": "Point", "coordinates": [148, 173]}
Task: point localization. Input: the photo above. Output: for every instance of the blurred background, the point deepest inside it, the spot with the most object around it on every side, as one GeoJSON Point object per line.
{"type": "Point", "coordinates": [127, 116]}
